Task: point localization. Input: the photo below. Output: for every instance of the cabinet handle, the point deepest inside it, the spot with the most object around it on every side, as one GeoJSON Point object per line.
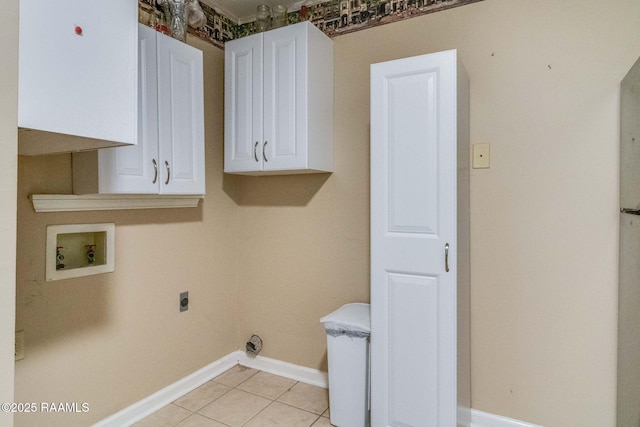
{"type": "Point", "coordinates": [264, 155]}
{"type": "Point", "coordinates": [255, 151]}
{"type": "Point", "coordinates": [155, 171]}
{"type": "Point", "coordinates": [168, 172]}
{"type": "Point", "coordinates": [446, 257]}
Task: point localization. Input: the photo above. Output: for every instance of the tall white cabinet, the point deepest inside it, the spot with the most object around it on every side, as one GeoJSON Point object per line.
{"type": "Point", "coordinates": [420, 242]}
{"type": "Point", "coordinates": [169, 157]}
{"type": "Point", "coordinates": [77, 75]}
{"type": "Point", "coordinates": [279, 102]}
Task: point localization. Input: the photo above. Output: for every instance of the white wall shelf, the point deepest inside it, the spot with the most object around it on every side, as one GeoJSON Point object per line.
{"type": "Point", "coordinates": [101, 202]}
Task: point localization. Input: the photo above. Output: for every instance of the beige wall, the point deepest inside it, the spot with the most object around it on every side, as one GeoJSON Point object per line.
{"type": "Point", "coordinates": [544, 93]}
{"type": "Point", "coordinates": [271, 255]}
{"type": "Point", "coordinates": [112, 339]}
{"type": "Point", "coordinates": [8, 177]}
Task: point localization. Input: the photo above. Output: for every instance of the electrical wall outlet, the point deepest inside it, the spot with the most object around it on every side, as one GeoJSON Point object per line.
{"type": "Point", "coordinates": [19, 349]}
{"type": "Point", "coordinates": [184, 301]}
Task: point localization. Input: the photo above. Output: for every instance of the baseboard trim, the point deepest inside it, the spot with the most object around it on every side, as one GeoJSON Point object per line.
{"type": "Point", "coordinates": [151, 404]}
{"type": "Point", "coordinates": [285, 369]}
{"type": "Point", "coordinates": [485, 419]}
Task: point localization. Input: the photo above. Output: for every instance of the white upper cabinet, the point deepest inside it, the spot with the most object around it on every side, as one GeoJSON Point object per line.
{"type": "Point", "coordinates": [169, 157]}
{"type": "Point", "coordinates": [279, 102]}
{"type": "Point", "coordinates": [77, 75]}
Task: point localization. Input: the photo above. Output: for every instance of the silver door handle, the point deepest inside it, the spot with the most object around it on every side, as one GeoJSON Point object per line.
{"type": "Point", "coordinates": [264, 155]}
{"type": "Point", "coordinates": [446, 257]}
{"type": "Point", "coordinates": [255, 151]}
{"type": "Point", "coordinates": [168, 172]}
{"type": "Point", "coordinates": [155, 171]}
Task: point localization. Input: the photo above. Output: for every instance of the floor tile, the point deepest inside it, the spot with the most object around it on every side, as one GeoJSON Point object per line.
{"type": "Point", "coordinates": [308, 397]}
{"type": "Point", "coordinates": [235, 376]}
{"type": "Point", "coordinates": [279, 414]}
{"type": "Point", "coordinates": [322, 422]}
{"type": "Point", "coordinates": [197, 420]}
{"type": "Point", "coordinates": [267, 385]}
{"type": "Point", "coordinates": [235, 407]}
{"type": "Point", "coordinates": [249, 404]}
{"type": "Point", "coordinates": [327, 413]}
{"type": "Point", "coordinates": [169, 415]}
{"type": "Point", "coordinates": [202, 396]}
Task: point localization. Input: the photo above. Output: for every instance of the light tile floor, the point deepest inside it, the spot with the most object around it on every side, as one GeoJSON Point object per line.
{"type": "Point", "coordinates": [246, 397]}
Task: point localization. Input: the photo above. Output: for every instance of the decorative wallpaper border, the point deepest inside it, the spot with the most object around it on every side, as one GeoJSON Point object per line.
{"type": "Point", "coordinates": [333, 17]}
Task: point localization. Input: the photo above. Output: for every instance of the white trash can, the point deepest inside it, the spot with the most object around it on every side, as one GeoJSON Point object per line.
{"type": "Point", "coordinates": [348, 330]}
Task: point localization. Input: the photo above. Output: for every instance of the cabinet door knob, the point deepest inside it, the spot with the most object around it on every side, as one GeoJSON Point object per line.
{"type": "Point", "coordinates": [255, 151]}
{"type": "Point", "coordinates": [264, 155]}
{"type": "Point", "coordinates": [155, 171]}
{"type": "Point", "coordinates": [168, 172]}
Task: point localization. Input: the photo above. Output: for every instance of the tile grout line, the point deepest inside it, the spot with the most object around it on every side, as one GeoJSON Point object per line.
{"type": "Point", "coordinates": [208, 403]}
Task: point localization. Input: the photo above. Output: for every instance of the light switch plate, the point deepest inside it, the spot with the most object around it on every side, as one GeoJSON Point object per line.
{"type": "Point", "coordinates": [481, 156]}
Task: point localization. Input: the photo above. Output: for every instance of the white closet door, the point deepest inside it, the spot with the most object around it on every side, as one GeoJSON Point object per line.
{"type": "Point", "coordinates": [413, 219]}
{"type": "Point", "coordinates": [181, 117]}
{"type": "Point", "coordinates": [134, 169]}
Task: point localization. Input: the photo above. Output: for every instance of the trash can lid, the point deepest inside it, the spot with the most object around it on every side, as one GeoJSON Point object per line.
{"type": "Point", "coordinates": [355, 317]}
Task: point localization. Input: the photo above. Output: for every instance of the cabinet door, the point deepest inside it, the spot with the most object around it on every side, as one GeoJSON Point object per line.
{"type": "Point", "coordinates": [78, 62]}
{"type": "Point", "coordinates": [181, 117]}
{"type": "Point", "coordinates": [243, 104]}
{"type": "Point", "coordinates": [285, 98]}
{"type": "Point", "coordinates": [413, 222]}
{"type": "Point", "coordinates": [134, 169]}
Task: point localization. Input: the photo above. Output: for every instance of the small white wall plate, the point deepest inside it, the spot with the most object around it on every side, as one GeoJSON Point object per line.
{"type": "Point", "coordinates": [73, 242]}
